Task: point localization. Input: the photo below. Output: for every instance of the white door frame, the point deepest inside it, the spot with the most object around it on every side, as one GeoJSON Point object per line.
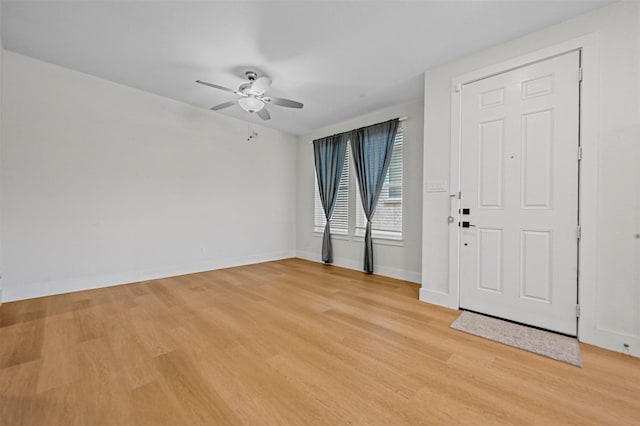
{"type": "Point", "coordinates": [588, 179]}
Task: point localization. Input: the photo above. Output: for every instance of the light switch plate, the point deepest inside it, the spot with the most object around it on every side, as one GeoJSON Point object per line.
{"type": "Point", "coordinates": [436, 186]}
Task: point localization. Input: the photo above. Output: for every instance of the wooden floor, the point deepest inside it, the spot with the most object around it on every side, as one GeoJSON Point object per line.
{"type": "Point", "coordinates": [287, 342]}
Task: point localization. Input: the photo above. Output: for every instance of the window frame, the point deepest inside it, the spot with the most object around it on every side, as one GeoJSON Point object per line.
{"type": "Point", "coordinates": [353, 231]}
{"type": "Point", "coordinates": [340, 232]}
{"type": "Point", "coordinates": [383, 234]}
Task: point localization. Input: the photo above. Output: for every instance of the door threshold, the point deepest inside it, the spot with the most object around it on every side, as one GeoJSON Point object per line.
{"type": "Point", "coordinates": [519, 323]}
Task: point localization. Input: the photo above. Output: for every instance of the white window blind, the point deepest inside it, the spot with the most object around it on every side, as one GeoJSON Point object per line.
{"type": "Point", "coordinates": [387, 221]}
{"type": "Point", "coordinates": [340, 218]}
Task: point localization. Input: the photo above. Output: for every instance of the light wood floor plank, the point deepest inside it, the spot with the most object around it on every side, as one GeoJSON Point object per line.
{"type": "Point", "coordinates": [286, 342]}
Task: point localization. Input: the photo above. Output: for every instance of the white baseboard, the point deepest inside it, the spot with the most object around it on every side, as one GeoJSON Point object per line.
{"type": "Point", "coordinates": [612, 340]}
{"type": "Point", "coordinates": [385, 271]}
{"type": "Point", "coordinates": [437, 298]}
{"type": "Point", "coordinates": [22, 292]}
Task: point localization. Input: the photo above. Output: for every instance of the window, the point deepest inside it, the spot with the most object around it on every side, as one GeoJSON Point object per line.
{"type": "Point", "coordinates": [387, 221]}
{"type": "Point", "coordinates": [340, 218]}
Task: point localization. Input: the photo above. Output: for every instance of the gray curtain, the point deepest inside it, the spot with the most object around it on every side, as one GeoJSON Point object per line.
{"type": "Point", "coordinates": [371, 148]}
{"type": "Point", "coordinates": [329, 155]}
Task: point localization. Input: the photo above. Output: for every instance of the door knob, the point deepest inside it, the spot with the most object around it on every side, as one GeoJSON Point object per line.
{"type": "Point", "coordinates": [466, 224]}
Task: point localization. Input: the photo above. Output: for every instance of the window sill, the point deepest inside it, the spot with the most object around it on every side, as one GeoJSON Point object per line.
{"type": "Point", "coordinates": [386, 239]}
{"type": "Point", "coordinates": [382, 241]}
{"type": "Point", "coordinates": [359, 237]}
{"type": "Point", "coordinates": [319, 234]}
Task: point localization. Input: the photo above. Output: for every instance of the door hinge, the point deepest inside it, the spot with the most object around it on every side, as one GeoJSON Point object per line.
{"type": "Point", "coordinates": [458, 87]}
{"type": "Point", "coordinates": [579, 232]}
{"type": "Point", "coordinates": [577, 311]}
{"type": "Point", "coordinates": [579, 74]}
{"type": "Point", "coordinates": [579, 153]}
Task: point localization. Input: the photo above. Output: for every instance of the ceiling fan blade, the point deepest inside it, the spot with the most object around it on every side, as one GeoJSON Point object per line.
{"type": "Point", "coordinates": [224, 105]}
{"type": "Point", "coordinates": [264, 114]}
{"type": "Point", "coordinates": [283, 102]}
{"type": "Point", "coordinates": [261, 84]}
{"type": "Point", "coordinates": [215, 86]}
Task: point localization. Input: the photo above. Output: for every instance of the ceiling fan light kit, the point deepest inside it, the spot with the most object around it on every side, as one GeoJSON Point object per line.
{"type": "Point", "coordinates": [251, 96]}
{"type": "Point", "coordinates": [251, 104]}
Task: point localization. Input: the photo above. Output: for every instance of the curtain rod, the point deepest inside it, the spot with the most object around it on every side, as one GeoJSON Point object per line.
{"type": "Point", "coordinates": [400, 119]}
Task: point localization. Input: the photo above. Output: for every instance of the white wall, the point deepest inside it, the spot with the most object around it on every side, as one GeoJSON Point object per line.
{"type": "Point", "coordinates": [104, 184]}
{"type": "Point", "coordinates": [398, 261]}
{"type": "Point", "coordinates": [616, 315]}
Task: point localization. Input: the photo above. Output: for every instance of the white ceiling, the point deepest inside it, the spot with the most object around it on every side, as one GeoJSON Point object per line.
{"type": "Point", "coordinates": [341, 59]}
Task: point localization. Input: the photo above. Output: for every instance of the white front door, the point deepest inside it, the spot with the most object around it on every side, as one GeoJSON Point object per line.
{"type": "Point", "coordinates": [519, 180]}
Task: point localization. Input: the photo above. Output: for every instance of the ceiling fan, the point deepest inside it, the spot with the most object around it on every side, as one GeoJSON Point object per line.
{"type": "Point", "coordinates": [251, 96]}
